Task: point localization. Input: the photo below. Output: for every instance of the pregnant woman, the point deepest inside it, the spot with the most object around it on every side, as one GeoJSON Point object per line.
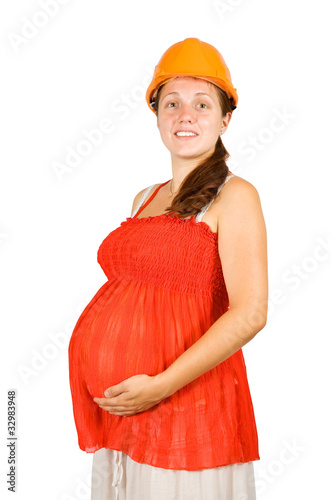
{"type": "Point", "coordinates": [157, 374]}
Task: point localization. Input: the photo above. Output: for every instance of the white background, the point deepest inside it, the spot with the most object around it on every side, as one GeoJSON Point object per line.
{"type": "Point", "coordinates": [61, 79]}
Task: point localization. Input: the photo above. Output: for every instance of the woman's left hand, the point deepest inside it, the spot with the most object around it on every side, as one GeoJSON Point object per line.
{"type": "Point", "coordinates": [131, 396]}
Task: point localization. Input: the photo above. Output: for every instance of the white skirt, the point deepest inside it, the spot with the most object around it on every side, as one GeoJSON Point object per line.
{"type": "Point", "coordinates": [115, 476]}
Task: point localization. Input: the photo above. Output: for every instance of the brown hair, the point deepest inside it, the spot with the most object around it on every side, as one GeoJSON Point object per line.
{"type": "Point", "coordinates": [200, 186]}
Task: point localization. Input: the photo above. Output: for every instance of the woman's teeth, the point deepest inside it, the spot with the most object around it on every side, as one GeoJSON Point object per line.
{"type": "Point", "coordinates": [185, 134]}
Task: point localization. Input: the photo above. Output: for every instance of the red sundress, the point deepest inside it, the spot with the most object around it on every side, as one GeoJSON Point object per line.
{"type": "Point", "coordinates": [165, 289]}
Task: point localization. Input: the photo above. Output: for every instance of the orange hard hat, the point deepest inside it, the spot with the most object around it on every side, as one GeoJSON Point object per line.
{"type": "Point", "coordinates": [191, 57]}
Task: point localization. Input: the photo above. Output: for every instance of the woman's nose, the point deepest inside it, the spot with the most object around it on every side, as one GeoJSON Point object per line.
{"type": "Point", "coordinates": [186, 113]}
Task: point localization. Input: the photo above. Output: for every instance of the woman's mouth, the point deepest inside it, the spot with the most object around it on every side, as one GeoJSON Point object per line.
{"type": "Point", "coordinates": [185, 135]}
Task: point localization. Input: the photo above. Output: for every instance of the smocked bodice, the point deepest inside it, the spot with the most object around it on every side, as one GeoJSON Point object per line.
{"type": "Point", "coordinates": [165, 251]}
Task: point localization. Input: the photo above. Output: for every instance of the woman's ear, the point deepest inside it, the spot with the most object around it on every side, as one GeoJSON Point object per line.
{"type": "Point", "coordinates": [226, 120]}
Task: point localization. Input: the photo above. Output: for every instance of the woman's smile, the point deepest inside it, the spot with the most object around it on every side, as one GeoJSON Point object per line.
{"type": "Point", "coordinates": [185, 135]}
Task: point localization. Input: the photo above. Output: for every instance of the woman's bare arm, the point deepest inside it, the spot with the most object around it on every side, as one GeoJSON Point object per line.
{"type": "Point", "coordinates": [242, 242]}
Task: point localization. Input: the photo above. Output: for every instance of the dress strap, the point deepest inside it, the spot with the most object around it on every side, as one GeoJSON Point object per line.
{"type": "Point", "coordinates": [199, 216]}
{"type": "Point", "coordinates": [142, 199]}
{"type": "Point", "coordinates": [141, 205]}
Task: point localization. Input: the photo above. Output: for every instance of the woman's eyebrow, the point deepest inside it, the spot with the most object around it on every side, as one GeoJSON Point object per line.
{"type": "Point", "coordinates": [197, 93]}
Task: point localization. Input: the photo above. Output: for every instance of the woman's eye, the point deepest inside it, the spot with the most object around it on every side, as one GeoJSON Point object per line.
{"type": "Point", "coordinates": [172, 104]}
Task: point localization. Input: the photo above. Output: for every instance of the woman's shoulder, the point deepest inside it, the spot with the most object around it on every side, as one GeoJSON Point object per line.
{"type": "Point", "coordinates": [236, 195]}
{"type": "Point", "coordinates": [233, 196]}
{"type": "Point", "coordinates": [237, 186]}
{"type": "Point", "coordinates": [140, 194]}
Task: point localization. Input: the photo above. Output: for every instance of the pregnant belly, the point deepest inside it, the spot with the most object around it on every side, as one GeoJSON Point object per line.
{"type": "Point", "coordinates": [111, 350]}
{"type": "Point", "coordinates": [118, 337]}
{"type": "Point", "coordinates": [135, 329]}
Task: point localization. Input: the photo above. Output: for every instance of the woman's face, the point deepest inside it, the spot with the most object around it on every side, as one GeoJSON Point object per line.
{"type": "Point", "coordinates": [190, 105]}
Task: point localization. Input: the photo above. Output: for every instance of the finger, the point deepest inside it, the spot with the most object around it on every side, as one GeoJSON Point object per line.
{"type": "Point", "coordinates": [118, 400]}
{"type": "Point", "coordinates": [100, 400]}
{"type": "Point", "coordinates": [112, 397]}
{"type": "Point", "coordinates": [113, 391]}
{"type": "Point", "coordinates": [112, 404]}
